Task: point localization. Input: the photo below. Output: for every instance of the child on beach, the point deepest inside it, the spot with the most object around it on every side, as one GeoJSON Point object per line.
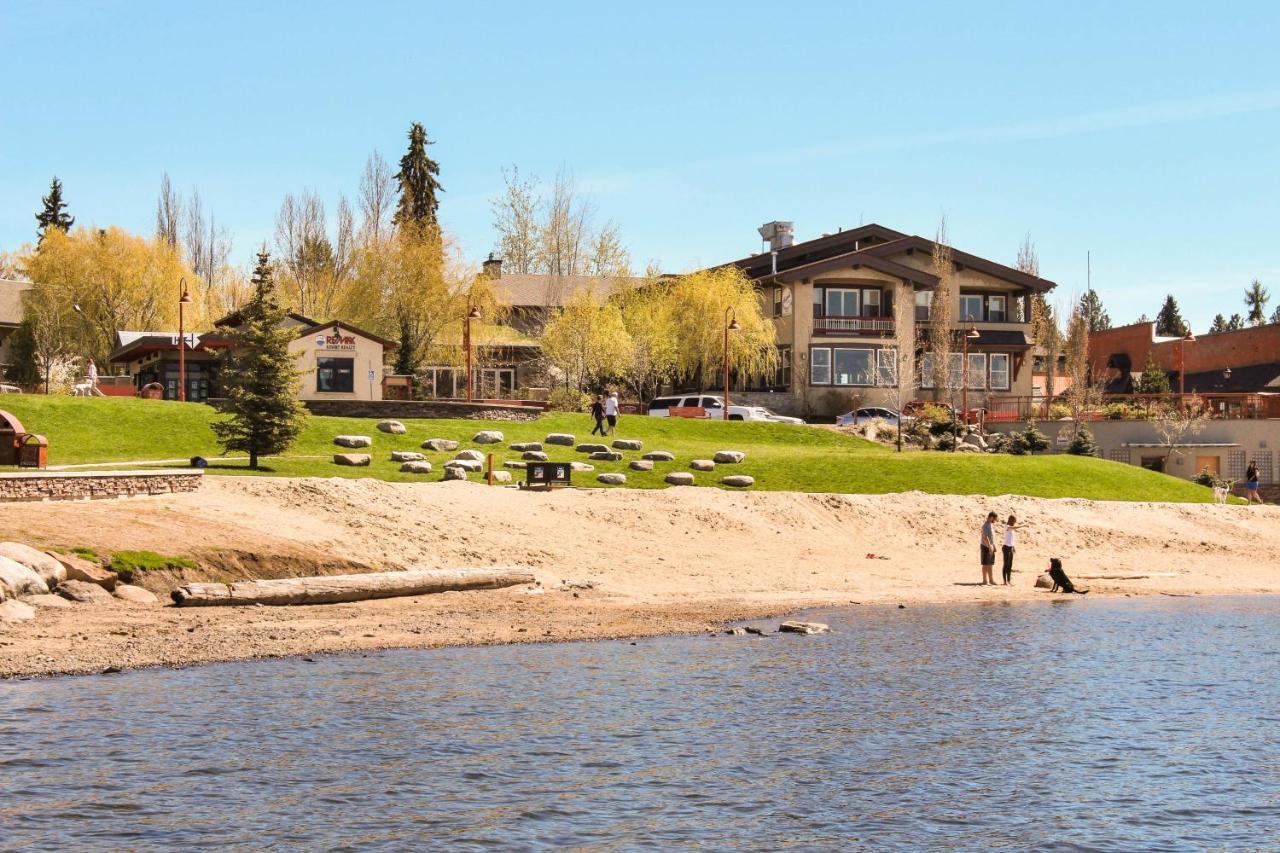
{"type": "Point", "coordinates": [1006, 550]}
{"type": "Point", "coordinates": [987, 550]}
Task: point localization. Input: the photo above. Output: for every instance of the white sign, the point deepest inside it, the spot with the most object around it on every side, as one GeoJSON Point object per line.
{"type": "Point", "coordinates": [370, 374]}
{"type": "Point", "coordinates": [320, 341]}
{"type": "Point", "coordinates": [190, 338]}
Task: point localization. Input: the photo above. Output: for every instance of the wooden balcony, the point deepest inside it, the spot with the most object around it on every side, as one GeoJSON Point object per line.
{"type": "Point", "coordinates": [877, 326]}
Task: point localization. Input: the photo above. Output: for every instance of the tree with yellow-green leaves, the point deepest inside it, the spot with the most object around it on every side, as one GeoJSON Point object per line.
{"type": "Point", "coordinates": [588, 342]}
{"type": "Point", "coordinates": [649, 315]}
{"type": "Point", "coordinates": [702, 303]}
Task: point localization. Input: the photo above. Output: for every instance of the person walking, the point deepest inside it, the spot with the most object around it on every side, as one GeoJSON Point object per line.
{"type": "Point", "coordinates": [1251, 482]}
{"type": "Point", "coordinates": [1006, 550]}
{"type": "Point", "coordinates": [597, 412]}
{"type": "Point", "coordinates": [611, 412]}
{"type": "Point", "coordinates": [91, 376]}
{"type": "Point", "coordinates": [987, 550]}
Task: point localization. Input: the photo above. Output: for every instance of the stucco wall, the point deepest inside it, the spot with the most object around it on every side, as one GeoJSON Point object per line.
{"type": "Point", "coordinates": [366, 354]}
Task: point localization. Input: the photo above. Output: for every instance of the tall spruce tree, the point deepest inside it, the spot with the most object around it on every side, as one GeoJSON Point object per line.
{"type": "Point", "coordinates": [1235, 324]}
{"type": "Point", "coordinates": [404, 354]}
{"type": "Point", "coordinates": [54, 214]}
{"type": "Point", "coordinates": [1169, 322]}
{"type": "Point", "coordinates": [418, 185]}
{"type": "Point", "coordinates": [1256, 299]}
{"type": "Point", "coordinates": [1219, 324]}
{"type": "Point", "coordinates": [1153, 380]}
{"type": "Point", "coordinates": [1275, 316]}
{"type": "Point", "coordinates": [259, 378]}
{"type": "Point", "coordinates": [1094, 313]}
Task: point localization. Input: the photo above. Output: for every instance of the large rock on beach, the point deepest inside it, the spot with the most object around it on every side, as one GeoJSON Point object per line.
{"type": "Point", "coordinates": [359, 460]}
{"type": "Point", "coordinates": [16, 611]}
{"type": "Point", "coordinates": [679, 478]}
{"type": "Point", "coordinates": [353, 441]}
{"type": "Point", "coordinates": [1044, 582]}
{"type": "Point", "coordinates": [605, 456]}
{"type": "Point", "coordinates": [391, 427]}
{"type": "Point", "coordinates": [416, 466]}
{"type": "Point", "coordinates": [454, 472]}
{"type": "Point", "coordinates": [729, 457]}
{"type": "Point", "coordinates": [794, 627]}
{"type": "Point", "coordinates": [533, 456]}
{"type": "Point", "coordinates": [440, 445]}
{"type": "Point", "coordinates": [628, 444]}
{"type": "Point", "coordinates": [488, 436]}
{"type": "Point", "coordinates": [135, 594]}
{"type": "Point", "coordinates": [85, 593]}
{"type": "Point", "coordinates": [702, 465]}
{"type": "Point", "coordinates": [49, 600]}
{"type": "Point", "coordinates": [660, 456]}
{"type": "Point", "coordinates": [80, 569]}
{"type": "Point", "coordinates": [46, 566]}
{"type": "Point", "coordinates": [738, 481]}
{"type": "Point", "coordinates": [590, 448]}
{"type": "Point", "coordinates": [17, 579]}
{"type": "Point", "coordinates": [562, 439]}
{"type": "Point", "coordinates": [406, 456]}
{"type": "Point", "coordinates": [472, 455]}
{"type": "Point", "coordinates": [525, 446]}
{"type": "Point", "coordinates": [465, 464]}
{"type": "Point", "coordinates": [641, 465]}
{"type": "Point", "coordinates": [612, 479]}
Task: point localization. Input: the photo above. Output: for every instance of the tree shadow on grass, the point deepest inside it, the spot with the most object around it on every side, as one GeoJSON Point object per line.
{"type": "Point", "coordinates": [227, 466]}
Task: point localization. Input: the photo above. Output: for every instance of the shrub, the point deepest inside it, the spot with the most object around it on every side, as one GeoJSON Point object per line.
{"type": "Point", "coordinates": [568, 400]}
{"type": "Point", "coordinates": [1017, 444]}
{"type": "Point", "coordinates": [1083, 444]}
{"type": "Point", "coordinates": [1035, 439]}
{"type": "Point", "coordinates": [1058, 411]}
{"type": "Point", "coordinates": [998, 442]}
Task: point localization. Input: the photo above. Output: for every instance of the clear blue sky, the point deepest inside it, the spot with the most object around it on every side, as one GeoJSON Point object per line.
{"type": "Point", "coordinates": [1146, 133]}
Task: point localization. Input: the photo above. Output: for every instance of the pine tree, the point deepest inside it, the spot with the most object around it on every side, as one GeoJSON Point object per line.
{"type": "Point", "coordinates": [259, 377]}
{"type": "Point", "coordinates": [418, 184]}
{"type": "Point", "coordinates": [1083, 444]}
{"type": "Point", "coordinates": [1235, 323]}
{"type": "Point", "coordinates": [1255, 299]}
{"type": "Point", "coordinates": [1091, 307]}
{"type": "Point", "coordinates": [1154, 380]}
{"type": "Point", "coordinates": [1169, 322]}
{"type": "Point", "coordinates": [1219, 324]}
{"type": "Point", "coordinates": [1275, 316]}
{"type": "Point", "coordinates": [404, 355]}
{"type": "Point", "coordinates": [54, 214]}
{"type": "Point", "coordinates": [23, 369]}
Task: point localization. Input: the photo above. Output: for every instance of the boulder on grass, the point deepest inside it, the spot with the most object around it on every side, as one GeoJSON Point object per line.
{"type": "Point", "coordinates": [359, 460]}
{"type": "Point", "coordinates": [967, 448]}
{"type": "Point", "coordinates": [605, 456]}
{"type": "Point", "coordinates": [729, 457]}
{"type": "Point", "coordinates": [581, 467]}
{"type": "Point", "coordinates": [590, 448]}
{"type": "Point", "coordinates": [738, 481]}
{"type": "Point", "coordinates": [353, 441]}
{"type": "Point", "coordinates": [135, 594]}
{"type": "Point", "coordinates": [660, 456]}
{"type": "Point", "coordinates": [561, 438]}
{"type": "Point", "coordinates": [523, 446]}
{"type": "Point", "coordinates": [641, 465]}
{"type": "Point", "coordinates": [473, 455]}
{"type": "Point", "coordinates": [534, 456]}
{"type": "Point", "coordinates": [85, 593]}
{"type": "Point", "coordinates": [794, 627]}
{"type": "Point", "coordinates": [416, 466]}
{"type": "Point", "coordinates": [488, 436]}
{"type": "Point", "coordinates": [702, 465]}
{"type": "Point", "coordinates": [453, 472]}
{"type": "Point", "coordinates": [16, 611]}
{"type": "Point", "coordinates": [47, 567]}
{"type": "Point", "coordinates": [612, 479]}
{"type": "Point", "coordinates": [16, 579]}
{"type": "Point", "coordinates": [679, 478]}
{"type": "Point", "coordinates": [628, 444]}
{"type": "Point", "coordinates": [440, 445]}
{"type": "Point", "coordinates": [502, 476]}
{"type": "Point", "coordinates": [514, 464]}
{"type": "Point", "coordinates": [80, 569]}
{"type": "Point", "coordinates": [391, 427]}
{"type": "Point", "coordinates": [465, 464]}
{"type": "Point", "coordinates": [407, 456]}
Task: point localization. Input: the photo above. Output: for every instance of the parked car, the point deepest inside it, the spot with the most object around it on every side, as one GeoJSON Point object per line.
{"type": "Point", "coordinates": [713, 406]}
{"type": "Point", "coordinates": [868, 414]}
{"type": "Point", "coordinates": [764, 413]}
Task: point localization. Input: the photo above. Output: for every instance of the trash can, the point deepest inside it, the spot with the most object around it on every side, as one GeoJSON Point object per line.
{"type": "Point", "coordinates": [33, 451]}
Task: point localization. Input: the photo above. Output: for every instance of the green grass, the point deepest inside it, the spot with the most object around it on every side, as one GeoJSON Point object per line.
{"type": "Point", "coordinates": [127, 563]}
{"type": "Point", "coordinates": [779, 456]}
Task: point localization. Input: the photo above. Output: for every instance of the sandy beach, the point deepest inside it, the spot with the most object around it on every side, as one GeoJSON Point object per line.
{"type": "Point", "coordinates": [609, 564]}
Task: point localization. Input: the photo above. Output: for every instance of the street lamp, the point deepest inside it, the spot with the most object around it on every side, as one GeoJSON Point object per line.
{"type": "Point", "coordinates": [731, 325]}
{"type": "Point", "coordinates": [1182, 363]}
{"type": "Point", "coordinates": [473, 313]}
{"type": "Point", "coordinates": [971, 335]}
{"type": "Point", "coordinates": [183, 301]}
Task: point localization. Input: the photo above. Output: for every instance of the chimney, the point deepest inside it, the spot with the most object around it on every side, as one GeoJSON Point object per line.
{"type": "Point", "coordinates": [779, 234]}
{"type": "Point", "coordinates": [492, 267]}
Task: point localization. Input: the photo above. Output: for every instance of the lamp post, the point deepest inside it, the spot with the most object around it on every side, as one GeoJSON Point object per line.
{"type": "Point", "coordinates": [183, 301]}
{"type": "Point", "coordinates": [730, 325]}
{"type": "Point", "coordinates": [473, 313]}
{"type": "Point", "coordinates": [970, 335]}
{"type": "Point", "coordinates": [1182, 364]}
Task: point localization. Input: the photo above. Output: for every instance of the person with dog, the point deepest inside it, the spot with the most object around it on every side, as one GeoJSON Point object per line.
{"type": "Point", "coordinates": [597, 412]}
{"type": "Point", "coordinates": [1251, 482]}
{"type": "Point", "coordinates": [1060, 579]}
{"type": "Point", "coordinates": [987, 550]}
{"type": "Point", "coordinates": [1007, 549]}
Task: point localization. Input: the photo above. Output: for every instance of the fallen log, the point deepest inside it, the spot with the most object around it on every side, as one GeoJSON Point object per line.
{"type": "Point", "coordinates": [335, 589]}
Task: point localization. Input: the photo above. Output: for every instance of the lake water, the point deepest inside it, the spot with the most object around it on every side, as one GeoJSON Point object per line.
{"type": "Point", "coordinates": [1080, 724]}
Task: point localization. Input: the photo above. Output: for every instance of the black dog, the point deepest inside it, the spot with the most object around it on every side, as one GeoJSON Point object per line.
{"type": "Point", "coordinates": [1060, 579]}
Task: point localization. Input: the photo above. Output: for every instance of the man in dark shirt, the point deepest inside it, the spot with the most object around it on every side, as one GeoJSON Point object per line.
{"type": "Point", "coordinates": [597, 412]}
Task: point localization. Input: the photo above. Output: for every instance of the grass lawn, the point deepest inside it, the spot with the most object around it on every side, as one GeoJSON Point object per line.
{"type": "Point", "coordinates": [781, 457]}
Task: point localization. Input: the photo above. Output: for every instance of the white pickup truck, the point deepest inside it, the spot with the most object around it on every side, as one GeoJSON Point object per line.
{"type": "Point", "coordinates": [661, 407]}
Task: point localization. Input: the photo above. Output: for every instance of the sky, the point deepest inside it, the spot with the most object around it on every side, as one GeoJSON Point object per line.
{"type": "Point", "coordinates": [1142, 136]}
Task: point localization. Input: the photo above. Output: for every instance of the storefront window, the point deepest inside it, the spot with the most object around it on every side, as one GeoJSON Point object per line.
{"type": "Point", "coordinates": [336, 375]}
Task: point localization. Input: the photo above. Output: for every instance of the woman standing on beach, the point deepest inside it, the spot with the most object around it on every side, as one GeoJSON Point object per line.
{"type": "Point", "coordinates": [1251, 482]}
{"type": "Point", "coordinates": [987, 550]}
{"type": "Point", "coordinates": [1006, 550]}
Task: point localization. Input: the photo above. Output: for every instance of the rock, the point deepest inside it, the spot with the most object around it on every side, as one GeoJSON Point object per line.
{"type": "Point", "coordinates": [56, 602]}
{"type": "Point", "coordinates": [976, 440]}
{"type": "Point", "coordinates": [353, 441]}
{"type": "Point", "coordinates": [561, 438]}
{"type": "Point", "coordinates": [966, 448]}
{"type": "Point", "coordinates": [453, 472]}
{"type": "Point", "coordinates": [406, 456]}
{"type": "Point", "coordinates": [581, 467]}
{"type": "Point", "coordinates": [17, 579]}
{"type": "Point", "coordinates": [729, 457]}
{"type": "Point", "coordinates": [660, 456]}
{"type": "Point", "coordinates": [488, 436]}
{"type": "Point", "coordinates": [514, 464]}
{"type": "Point", "coordinates": [45, 565]}
{"type": "Point", "coordinates": [392, 427]}
{"type": "Point", "coordinates": [416, 466]}
{"type": "Point", "coordinates": [523, 446]}
{"type": "Point", "coordinates": [16, 611]}
{"type": "Point", "coordinates": [605, 456]}
{"type": "Point", "coordinates": [612, 479]}
{"type": "Point", "coordinates": [534, 456]}
{"type": "Point", "coordinates": [804, 628]}
{"type": "Point", "coordinates": [628, 444]}
{"type": "Point", "coordinates": [80, 569]}
{"type": "Point", "coordinates": [1044, 582]}
{"type": "Point", "coordinates": [738, 481]}
{"type": "Point", "coordinates": [679, 478]}
{"type": "Point", "coordinates": [464, 464]}
{"type": "Point", "coordinates": [702, 465]}
{"type": "Point", "coordinates": [356, 459]}
{"type": "Point", "coordinates": [473, 455]}
{"type": "Point", "coordinates": [641, 465]}
{"type": "Point", "coordinates": [502, 476]}
{"type": "Point", "coordinates": [440, 445]}
{"type": "Point", "coordinates": [752, 629]}
{"type": "Point", "coordinates": [85, 593]}
{"type": "Point", "coordinates": [135, 594]}
{"type": "Point", "coordinates": [591, 448]}
{"type": "Point", "coordinates": [736, 631]}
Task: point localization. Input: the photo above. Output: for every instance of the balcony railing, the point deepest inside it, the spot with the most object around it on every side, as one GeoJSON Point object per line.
{"type": "Point", "coordinates": [824, 325]}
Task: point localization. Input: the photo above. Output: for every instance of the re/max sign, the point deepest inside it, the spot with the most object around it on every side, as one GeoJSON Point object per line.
{"type": "Point", "coordinates": [335, 341]}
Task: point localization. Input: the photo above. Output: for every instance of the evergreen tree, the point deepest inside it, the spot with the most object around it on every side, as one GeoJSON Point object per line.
{"type": "Point", "coordinates": [1169, 322]}
{"type": "Point", "coordinates": [1083, 444]}
{"type": "Point", "coordinates": [418, 184]}
{"type": "Point", "coordinates": [404, 355]}
{"type": "Point", "coordinates": [1219, 324]}
{"type": "Point", "coordinates": [1154, 380]}
{"type": "Point", "coordinates": [54, 214]}
{"type": "Point", "coordinates": [1142, 318]}
{"type": "Point", "coordinates": [1255, 299]}
{"type": "Point", "coordinates": [1235, 323]}
{"type": "Point", "coordinates": [1091, 307]}
{"type": "Point", "coordinates": [1275, 315]}
{"type": "Point", "coordinates": [24, 369]}
{"type": "Point", "coordinates": [259, 378]}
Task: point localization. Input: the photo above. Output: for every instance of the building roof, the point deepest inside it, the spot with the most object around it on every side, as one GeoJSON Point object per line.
{"type": "Point", "coordinates": [530, 290]}
{"type": "Point", "coordinates": [11, 310]}
{"type": "Point", "coordinates": [235, 319]}
{"type": "Point", "coordinates": [313, 328]}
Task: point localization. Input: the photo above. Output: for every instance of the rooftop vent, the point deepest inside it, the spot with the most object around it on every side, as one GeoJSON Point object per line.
{"type": "Point", "coordinates": [778, 234]}
{"type": "Point", "coordinates": [493, 267]}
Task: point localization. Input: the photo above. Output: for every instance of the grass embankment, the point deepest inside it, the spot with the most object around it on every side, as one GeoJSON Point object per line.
{"type": "Point", "coordinates": [779, 456]}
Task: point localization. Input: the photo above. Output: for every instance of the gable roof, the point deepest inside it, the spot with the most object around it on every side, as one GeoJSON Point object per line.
{"type": "Point", "coordinates": [235, 318]}
{"type": "Point", "coordinates": [11, 309]}
{"type": "Point", "coordinates": [819, 249]}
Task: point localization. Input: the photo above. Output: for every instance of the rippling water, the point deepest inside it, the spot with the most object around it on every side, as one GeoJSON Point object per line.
{"type": "Point", "coordinates": [1151, 724]}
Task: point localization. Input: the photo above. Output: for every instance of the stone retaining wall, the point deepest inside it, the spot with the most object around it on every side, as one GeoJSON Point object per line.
{"type": "Point", "coordinates": [420, 409]}
{"type": "Point", "coordinates": [84, 485]}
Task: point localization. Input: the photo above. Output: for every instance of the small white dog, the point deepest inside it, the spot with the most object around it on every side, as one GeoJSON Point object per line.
{"type": "Point", "coordinates": [1221, 493]}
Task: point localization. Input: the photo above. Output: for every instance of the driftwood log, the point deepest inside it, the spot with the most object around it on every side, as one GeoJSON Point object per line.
{"type": "Point", "coordinates": [334, 589]}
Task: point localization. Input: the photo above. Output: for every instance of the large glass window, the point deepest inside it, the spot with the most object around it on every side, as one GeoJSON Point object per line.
{"type": "Point", "coordinates": [854, 366]}
{"type": "Point", "coordinates": [977, 370]}
{"type": "Point", "coordinates": [924, 301]}
{"type": "Point", "coordinates": [971, 307]}
{"type": "Point", "coordinates": [926, 370]}
{"type": "Point", "coordinates": [955, 370]}
{"type": "Point", "coordinates": [1000, 371]}
{"type": "Point", "coordinates": [997, 309]}
{"type": "Point", "coordinates": [335, 374]}
{"type": "Point", "coordinates": [871, 303]}
{"type": "Point", "coordinates": [820, 366]}
{"type": "Point", "coordinates": [782, 379]}
{"type": "Point", "coordinates": [887, 363]}
{"type": "Point", "coordinates": [843, 303]}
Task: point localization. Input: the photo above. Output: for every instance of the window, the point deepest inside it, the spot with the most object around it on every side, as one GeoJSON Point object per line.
{"type": "Point", "coordinates": [997, 309]}
{"type": "Point", "coordinates": [977, 370]}
{"type": "Point", "coordinates": [955, 370]}
{"type": "Point", "coordinates": [971, 307]}
{"type": "Point", "coordinates": [887, 362]}
{"type": "Point", "coordinates": [853, 366]}
{"type": "Point", "coordinates": [710, 403]}
{"type": "Point", "coordinates": [663, 403]}
{"type": "Point", "coordinates": [871, 303]}
{"type": "Point", "coordinates": [843, 303]}
{"type": "Point", "coordinates": [848, 302]}
{"type": "Point", "coordinates": [1000, 371]}
{"type": "Point", "coordinates": [924, 301]}
{"type": "Point", "coordinates": [926, 370]}
{"type": "Point", "coordinates": [777, 302]}
{"type": "Point", "coordinates": [335, 375]}
{"type": "Point", "coordinates": [820, 366]}
{"type": "Point", "coordinates": [782, 378]}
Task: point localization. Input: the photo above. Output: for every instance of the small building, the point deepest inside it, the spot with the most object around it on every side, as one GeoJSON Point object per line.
{"type": "Point", "coordinates": [11, 313]}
